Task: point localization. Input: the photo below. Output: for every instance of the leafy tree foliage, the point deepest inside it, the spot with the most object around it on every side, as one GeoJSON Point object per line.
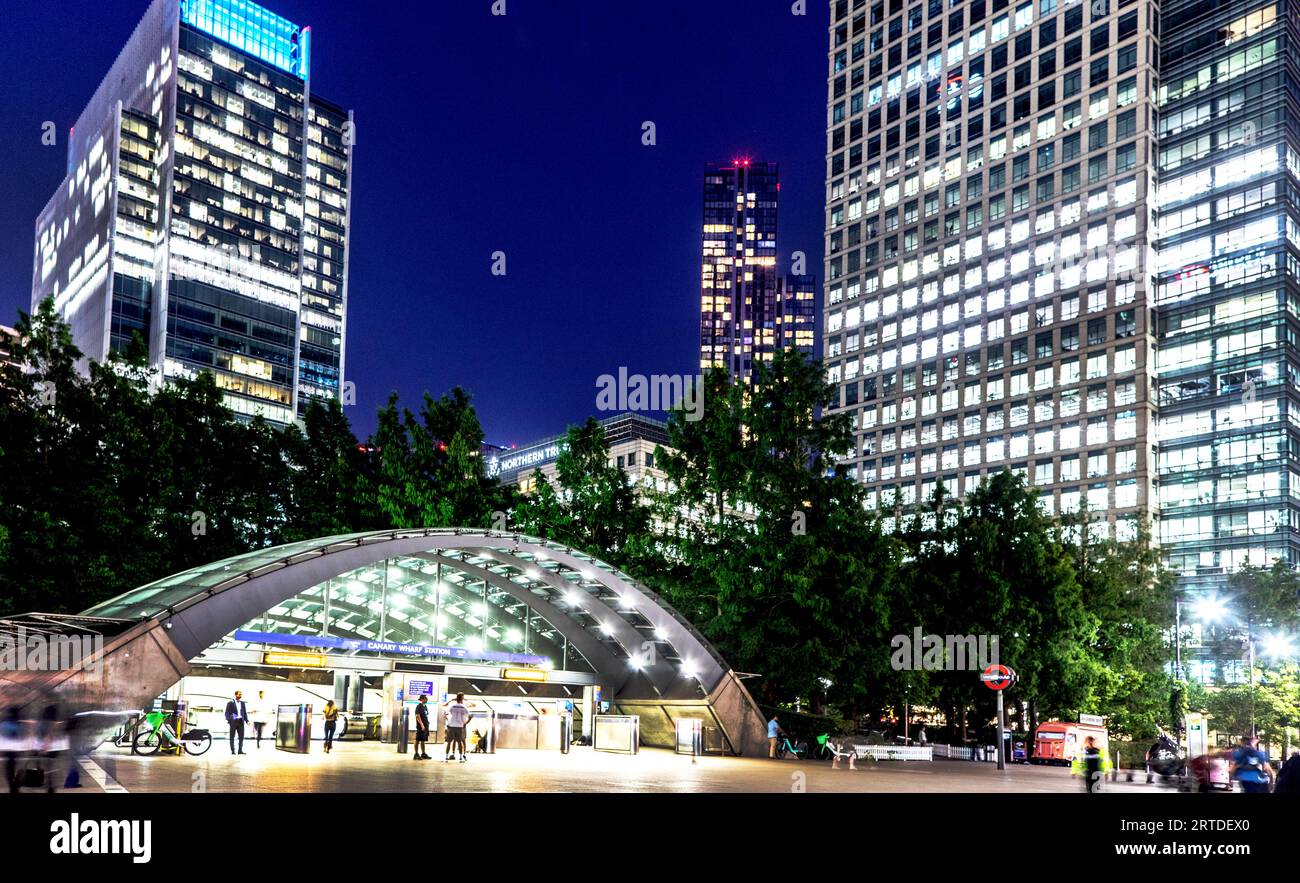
{"type": "Point", "coordinates": [757, 534]}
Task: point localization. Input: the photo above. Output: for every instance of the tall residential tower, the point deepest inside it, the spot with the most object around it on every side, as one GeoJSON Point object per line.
{"type": "Point", "coordinates": [205, 209]}
{"type": "Point", "coordinates": [748, 312]}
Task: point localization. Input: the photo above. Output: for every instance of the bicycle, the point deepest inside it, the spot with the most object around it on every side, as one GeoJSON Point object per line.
{"type": "Point", "coordinates": [148, 742]}
{"type": "Point", "coordinates": [803, 750]}
{"type": "Point", "coordinates": [130, 729]}
{"type": "Point", "coordinates": [785, 746]}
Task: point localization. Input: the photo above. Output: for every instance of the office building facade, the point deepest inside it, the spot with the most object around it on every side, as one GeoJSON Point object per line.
{"type": "Point", "coordinates": [631, 439]}
{"type": "Point", "coordinates": [989, 222]}
{"type": "Point", "coordinates": [206, 209]}
{"type": "Point", "coordinates": [1227, 297]}
{"type": "Point", "coordinates": [747, 310]}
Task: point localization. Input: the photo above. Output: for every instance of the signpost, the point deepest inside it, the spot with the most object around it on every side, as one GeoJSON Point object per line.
{"type": "Point", "coordinates": [997, 678]}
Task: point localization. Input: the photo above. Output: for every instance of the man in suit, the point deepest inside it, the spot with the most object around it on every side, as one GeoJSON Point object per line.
{"type": "Point", "coordinates": [236, 717]}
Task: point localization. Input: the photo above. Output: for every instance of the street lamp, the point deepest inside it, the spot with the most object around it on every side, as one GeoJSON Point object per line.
{"type": "Point", "coordinates": [1208, 610]}
{"type": "Point", "coordinates": [1278, 646]}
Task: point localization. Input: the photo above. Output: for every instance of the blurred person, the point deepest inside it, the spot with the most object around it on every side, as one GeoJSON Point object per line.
{"type": "Point", "coordinates": [74, 751]}
{"type": "Point", "coordinates": [480, 743]}
{"type": "Point", "coordinates": [261, 715]}
{"type": "Point", "coordinates": [1091, 758]}
{"type": "Point", "coordinates": [1288, 776]}
{"type": "Point", "coordinates": [11, 732]}
{"type": "Point", "coordinates": [236, 717]}
{"type": "Point", "coordinates": [1250, 766]}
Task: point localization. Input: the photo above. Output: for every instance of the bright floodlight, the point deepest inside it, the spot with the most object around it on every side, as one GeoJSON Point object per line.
{"type": "Point", "coordinates": [1210, 610]}
{"type": "Point", "coordinates": [1277, 646]}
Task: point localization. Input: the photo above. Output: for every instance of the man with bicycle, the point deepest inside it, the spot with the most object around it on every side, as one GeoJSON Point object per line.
{"type": "Point", "coordinates": [774, 733]}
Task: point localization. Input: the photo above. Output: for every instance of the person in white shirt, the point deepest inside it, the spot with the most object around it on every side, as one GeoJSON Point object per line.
{"type": "Point", "coordinates": [457, 719]}
{"type": "Point", "coordinates": [261, 714]}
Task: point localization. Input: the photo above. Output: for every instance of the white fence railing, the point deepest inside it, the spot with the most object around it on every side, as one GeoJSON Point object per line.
{"type": "Point", "coordinates": [959, 752]}
{"type": "Point", "coordinates": [895, 752]}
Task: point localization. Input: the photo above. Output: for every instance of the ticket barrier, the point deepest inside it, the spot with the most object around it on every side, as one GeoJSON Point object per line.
{"type": "Point", "coordinates": [690, 737]}
{"type": "Point", "coordinates": [617, 733]}
{"type": "Point", "coordinates": [566, 733]}
{"type": "Point", "coordinates": [293, 728]}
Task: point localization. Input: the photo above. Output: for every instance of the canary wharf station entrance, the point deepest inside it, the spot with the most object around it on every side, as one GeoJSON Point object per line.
{"type": "Point", "coordinates": [531, 631]}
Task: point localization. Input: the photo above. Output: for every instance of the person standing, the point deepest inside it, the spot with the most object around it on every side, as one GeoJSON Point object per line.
{"type": "Point", "coordinates": [1250, 766]}
{"type": "Point", "coordinates": [236, 717]}
{"type": "Point", "coordinates": [261, 714]}
{"type": "Point", "coordinates": [422, 729]}
{"type": "Point", "coordinates": [457, 719]}
{"type": "Point", "coordinates": [774, 732]}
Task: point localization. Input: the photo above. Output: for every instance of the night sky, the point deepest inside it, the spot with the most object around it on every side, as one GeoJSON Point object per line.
{"type": "Point", "coordinates": [476, 134]}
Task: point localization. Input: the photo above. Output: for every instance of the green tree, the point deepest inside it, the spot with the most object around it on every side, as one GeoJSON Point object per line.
{"type": "Point", "coordinates": [1130, 593]}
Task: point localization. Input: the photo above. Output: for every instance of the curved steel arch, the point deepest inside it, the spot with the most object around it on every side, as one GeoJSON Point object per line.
{"type": "Point", "coordinates": [201, 606]}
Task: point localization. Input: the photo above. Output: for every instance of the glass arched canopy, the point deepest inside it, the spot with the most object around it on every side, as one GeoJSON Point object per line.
{"type": "Point", "coordinates": [468, 594]}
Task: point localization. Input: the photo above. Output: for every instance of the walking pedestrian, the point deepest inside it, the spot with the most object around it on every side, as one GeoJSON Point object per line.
{"type": "Point", "coordinates": [331, 714]}
{"type": "Point", "coordinates": [457, 718]}
{"type": "Point", "coordinates": [1250, 766]}
{"type": "Point", "coordinates": [422, 729]}
{"type": "Point", "coordinates": [261, 714]}
{"type": "Point", "coordinates": [1091, 764]}
{"type": "Point", "coordinates": [11, 732]}
{"type": "Point", "coordinates": [236, 717]}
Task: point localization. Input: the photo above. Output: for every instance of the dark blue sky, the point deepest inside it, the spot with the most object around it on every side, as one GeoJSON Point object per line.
{"type": "Point", "coordinates": [475, 134]}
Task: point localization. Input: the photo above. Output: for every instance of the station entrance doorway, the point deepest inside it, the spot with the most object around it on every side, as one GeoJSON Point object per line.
{"type": "Point", "coordinates": [505, 713]}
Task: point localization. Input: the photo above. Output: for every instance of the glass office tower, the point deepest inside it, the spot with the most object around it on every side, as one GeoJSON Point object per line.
{"type": "Point", "coordinates": [989, 213]}
{"type": "Point", "coordinates": [748, 312]}
{"type": "Point", "coordinates": [206, 209]}
{"type": "Point", "coordinates": [1227, 295]}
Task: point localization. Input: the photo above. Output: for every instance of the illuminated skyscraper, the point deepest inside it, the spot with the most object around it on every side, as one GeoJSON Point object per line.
{"type": "Point", "coordinates": [205, 209]}
{"type": "Point", "coordinates": [990, 169]}
{"type": "Point", "coordinates": [1227, 295]}
{"type": "Point", "coordinates": [746, 311]}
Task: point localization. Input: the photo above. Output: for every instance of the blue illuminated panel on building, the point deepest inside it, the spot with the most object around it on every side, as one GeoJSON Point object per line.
{"type": "Point", "coordinates": [252, 29]}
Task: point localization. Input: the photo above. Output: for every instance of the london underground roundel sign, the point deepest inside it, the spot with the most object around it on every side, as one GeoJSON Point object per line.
{"type": "Point", "coordinates": [998, 677]}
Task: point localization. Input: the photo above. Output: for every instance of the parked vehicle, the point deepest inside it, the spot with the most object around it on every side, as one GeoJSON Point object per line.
{"type": "Point", "coordinates": [1061, 742]}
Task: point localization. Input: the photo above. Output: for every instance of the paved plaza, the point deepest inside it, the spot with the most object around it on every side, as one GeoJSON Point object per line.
{"type": "Point", "coordinates": [373, 767]}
